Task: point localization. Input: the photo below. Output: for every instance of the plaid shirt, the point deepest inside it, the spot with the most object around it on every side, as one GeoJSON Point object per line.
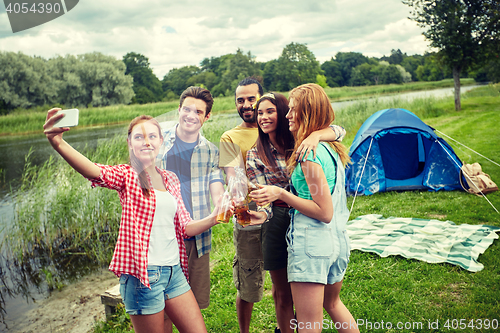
{"type": "Point", "coordinates": [204, 171]}
{"type": "Point", "coordinates": [131, 250]}
{"type": "Point", "coordinates": [258, 172]}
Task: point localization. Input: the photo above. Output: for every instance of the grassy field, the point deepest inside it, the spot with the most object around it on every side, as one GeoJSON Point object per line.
{"type": "Point", "coordinates": [375, 289]}
{"type": "Point", "coordinates": [30, 121]}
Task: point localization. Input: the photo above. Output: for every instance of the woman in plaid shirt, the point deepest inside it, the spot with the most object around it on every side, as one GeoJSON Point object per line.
{"type": "Point", "coordinates": [149, 255]}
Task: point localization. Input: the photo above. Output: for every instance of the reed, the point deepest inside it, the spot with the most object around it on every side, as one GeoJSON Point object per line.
{"type": "Point", "coordinates": [58, 213]}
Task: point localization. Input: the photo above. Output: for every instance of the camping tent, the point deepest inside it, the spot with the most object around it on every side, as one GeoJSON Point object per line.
{"type": "Point", "coordinates": [395, 150]}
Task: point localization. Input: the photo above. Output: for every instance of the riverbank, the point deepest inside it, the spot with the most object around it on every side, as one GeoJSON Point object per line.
{"type": "Point", "coordinates": [74, 309]}
{"type": "Point", "coordinates": [25, 122]}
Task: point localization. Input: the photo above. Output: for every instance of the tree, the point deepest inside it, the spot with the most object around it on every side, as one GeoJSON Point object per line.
{"type": "Point", "coordinates": [466, 32]}
{"type": "Point", "coordinates": [391, 74]}
{"type": "Point", "coordinates": [176, 80]}
{"type": "Point", "coordinates": [332, 72]}
{"type": "Point", "coordinates": [269, 76]}
{"type": "Point", "coordinates": [321, 81]}
{"type": "Point", "coordinates": [296, 65]}
{"type": "Point", "coordinates": [91, 79]}
{"type": "Point", "coordinates": [405, 76]}
{"type": "Point", "coordinates": [411, 64]}
{"type": "Point", "coordinates": [432, 69]}
{"type": "Point", "coordinates": [347, 61]}
{"type": "Point", "coordinates": [88, 79]}
{"type": "Point", "coordinates": [489, 72]}
{"type": "Point", "coordinates": [396, 57]}
{"type": "Point", "coordinates": [205, 79]}
{"type": "Point", "coordinates": [361, 75]}
{"type": "Point", "coordinates": [147, 87]}
{"type": "Point", "coordinates": [66, 74]}
{"type": "Point", "coordinates": [24, 82]}
{"type": "Point", "coordinates": [104, 80]}
{"type": "Point", "coordinates": [238, 67]}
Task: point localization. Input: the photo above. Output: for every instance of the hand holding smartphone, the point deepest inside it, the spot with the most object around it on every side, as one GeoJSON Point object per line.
{"type": "Point", "coordinates": [70, 118]}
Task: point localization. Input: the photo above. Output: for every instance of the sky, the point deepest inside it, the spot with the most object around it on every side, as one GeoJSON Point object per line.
{"type": "Point", "coordinates": [173, 34]}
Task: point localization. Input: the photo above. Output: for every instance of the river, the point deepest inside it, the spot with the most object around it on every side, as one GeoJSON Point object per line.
{"type": "Point", "coordinates": [19, 295]}
{"type": "Point", "coordinates": [13, 152]}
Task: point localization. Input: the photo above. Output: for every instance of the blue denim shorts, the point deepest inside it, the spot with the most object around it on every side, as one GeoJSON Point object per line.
{"type": "Point", "coordinates": [317, 252]}
{"type": "Point", "coordinates": [166, 282]}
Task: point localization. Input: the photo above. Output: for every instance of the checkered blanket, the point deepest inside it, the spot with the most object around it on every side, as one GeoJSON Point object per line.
{"type": "Point", "coordinates": [432, 241]}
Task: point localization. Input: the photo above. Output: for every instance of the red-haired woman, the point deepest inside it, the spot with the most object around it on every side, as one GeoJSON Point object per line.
{"type": "Point", "coordinates": [149, 255]}
{"type": "Point", "coordinates": [266, 165]}
{"type": "Point", "coordinates": [318, 246]}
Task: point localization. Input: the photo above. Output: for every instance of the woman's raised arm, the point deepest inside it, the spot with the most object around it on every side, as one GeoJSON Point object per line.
{"type": "Point", "coordinates": [77, 161]}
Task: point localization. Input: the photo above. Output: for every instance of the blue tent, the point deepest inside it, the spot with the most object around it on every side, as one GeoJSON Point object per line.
{"type": "Point", "coordinates": [401, 153]}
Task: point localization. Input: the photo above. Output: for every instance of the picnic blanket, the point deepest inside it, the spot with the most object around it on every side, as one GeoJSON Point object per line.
{"type": "Point", "coordinates": [432, 241]}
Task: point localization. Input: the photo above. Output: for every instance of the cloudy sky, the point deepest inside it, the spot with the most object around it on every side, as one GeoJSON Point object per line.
{"type": "Point", "coordinates": [184, 32]}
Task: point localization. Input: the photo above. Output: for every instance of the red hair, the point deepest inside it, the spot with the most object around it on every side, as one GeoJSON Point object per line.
{"type": "Point", "coordinates": [134, 161]}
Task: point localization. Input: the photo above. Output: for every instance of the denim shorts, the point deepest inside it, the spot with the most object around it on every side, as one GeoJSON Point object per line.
{"type": "Point", "coordinates": [166, 282]}
{"type": "Point", "coordinates": [317, 252]}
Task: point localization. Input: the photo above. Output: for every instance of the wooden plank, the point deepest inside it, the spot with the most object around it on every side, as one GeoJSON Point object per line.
{"type": "Point", "coordinates": [111, 298]}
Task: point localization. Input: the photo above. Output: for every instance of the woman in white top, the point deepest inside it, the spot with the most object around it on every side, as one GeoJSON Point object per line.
{"type": "Point", "coordinates": [149, 256]}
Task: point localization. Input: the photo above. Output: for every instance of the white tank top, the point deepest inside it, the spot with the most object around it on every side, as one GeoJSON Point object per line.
{"type": "Point", "coordinates": [163, 247]}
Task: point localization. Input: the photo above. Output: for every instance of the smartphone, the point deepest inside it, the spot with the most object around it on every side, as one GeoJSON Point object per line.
{"type": "Point", "coordinates": [70, 118]}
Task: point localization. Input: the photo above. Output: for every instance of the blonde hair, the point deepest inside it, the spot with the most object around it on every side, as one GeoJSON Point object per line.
{"type": "Point", "coordinates": [313, 112]}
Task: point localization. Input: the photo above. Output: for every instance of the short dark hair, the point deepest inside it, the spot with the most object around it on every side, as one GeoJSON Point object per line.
{"type": "Point", "coordinates": [198, 93]}
{"type": "Point", "coordinates": [248, 81]}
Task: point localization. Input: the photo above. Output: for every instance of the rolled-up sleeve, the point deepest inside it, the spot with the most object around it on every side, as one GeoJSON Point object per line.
{"type": "Point", "coordinates": [111, 176]}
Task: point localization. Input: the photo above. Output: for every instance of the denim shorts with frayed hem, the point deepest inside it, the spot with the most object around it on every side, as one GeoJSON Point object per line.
{"type": "Point", "coordinates": [166, 282]}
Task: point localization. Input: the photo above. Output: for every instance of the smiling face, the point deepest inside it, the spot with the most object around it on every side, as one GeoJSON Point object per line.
{"type": "Point", "coordinates": [291, 116]}
{"type": "Point", "coordinates": [145, 141]}
{"type": "Point", "coordinates": [192, 115]}
{"type": "Point", "coordinates": [267, 117]}
{"type": "Point", "coordinates": [246, 96]}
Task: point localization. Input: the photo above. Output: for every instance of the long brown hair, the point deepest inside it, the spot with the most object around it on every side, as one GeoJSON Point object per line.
{"type": "Point", "coordinates": [134, 161]}
{"type": "Point", "coordinates": [284, 137]}
{"type": "Point", "coordinates": [313, 112]}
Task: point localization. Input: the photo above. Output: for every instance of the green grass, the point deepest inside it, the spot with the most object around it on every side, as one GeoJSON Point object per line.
{"type": "Point", "coordinates": [391, 289]}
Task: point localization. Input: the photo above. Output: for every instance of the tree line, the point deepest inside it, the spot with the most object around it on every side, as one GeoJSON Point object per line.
{"type": "Point", "coordinates": [91, 79]}
{"type": "Point", "coordinates": [297, 65]}
{"type": "Point", "coordinates": [94, 79]}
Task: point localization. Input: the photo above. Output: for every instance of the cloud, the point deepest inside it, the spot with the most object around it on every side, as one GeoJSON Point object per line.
{"type": "Point", "coordinates": [175, 34]}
